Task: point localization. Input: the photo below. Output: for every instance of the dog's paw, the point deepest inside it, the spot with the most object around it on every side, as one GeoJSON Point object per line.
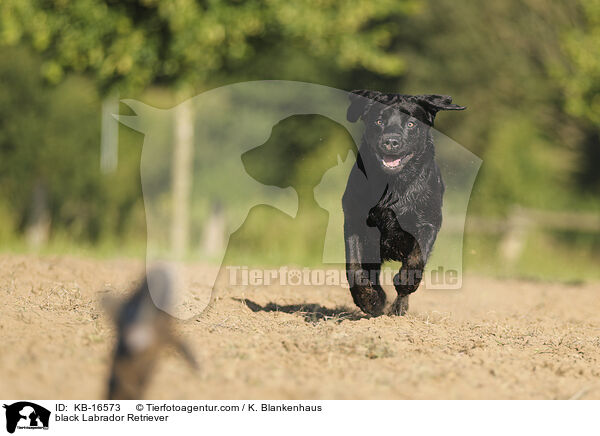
{"type": "Point", "coordinates": [406, 284]}
{"type": "Point", "coordinates": [370, 299]}
{"type": "Point", "coordinates": [373, 218]}
{"type": "Point", "coordinates": [399, 307]}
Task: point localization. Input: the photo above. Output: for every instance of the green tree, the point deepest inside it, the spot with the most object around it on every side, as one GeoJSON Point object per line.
{"type": "Point", "coordinates": [499, 59]}
{"type": "Point", "coordinates": [131, 44]}
{"type": "Point", "coordinates": [581, 78]}
{"type": "Point", "coordinates": [194, 45]}
{"type": "Point", "coordinates": [49, 143]}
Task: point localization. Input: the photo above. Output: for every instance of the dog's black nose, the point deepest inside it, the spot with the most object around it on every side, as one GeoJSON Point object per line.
{"type": "Point", "coordinates": [391, 143]}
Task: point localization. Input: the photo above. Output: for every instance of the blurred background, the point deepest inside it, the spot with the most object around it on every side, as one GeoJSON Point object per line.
{"type": "Point", "coordinates": [528, 71]}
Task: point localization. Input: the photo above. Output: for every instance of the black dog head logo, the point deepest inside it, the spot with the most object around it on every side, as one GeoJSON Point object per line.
{"type": "Point", "coordinates": [26, 415]}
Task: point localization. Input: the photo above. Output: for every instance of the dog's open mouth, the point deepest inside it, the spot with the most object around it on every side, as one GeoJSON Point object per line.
{"type": "Point", "coordinates": [394, 162]}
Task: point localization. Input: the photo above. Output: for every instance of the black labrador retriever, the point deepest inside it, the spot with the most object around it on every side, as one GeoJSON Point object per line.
{"type": "Point", "coordinates": [393, 199]}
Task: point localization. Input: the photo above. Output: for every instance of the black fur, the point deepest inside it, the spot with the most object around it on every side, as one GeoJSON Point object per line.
{"type": "Point", "coordinates": [393, 199]}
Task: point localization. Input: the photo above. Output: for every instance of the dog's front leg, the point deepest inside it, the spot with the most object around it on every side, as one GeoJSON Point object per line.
{"type": "Point", "coordinates": [407, 280]}
{"type": "Point", "coordinates": [410, 275]}
{"type": "Point", "coordinates": [427, 233]}
{"type": "Point", "coordinates": [362, 269]}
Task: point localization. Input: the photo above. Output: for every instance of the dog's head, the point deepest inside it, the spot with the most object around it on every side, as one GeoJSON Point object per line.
{"type": "Point", "coordinates": [397, 125]}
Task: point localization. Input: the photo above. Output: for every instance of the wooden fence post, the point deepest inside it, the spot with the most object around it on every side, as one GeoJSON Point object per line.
{"type": "Point", "coordinates": [515, 237]}
{"type": "Point", "coordinates": [183, 154]}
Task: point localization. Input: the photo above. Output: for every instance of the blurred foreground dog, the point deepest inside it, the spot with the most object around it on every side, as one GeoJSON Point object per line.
{"type": "Point", "coordinates": [393, 199]}
{"type": "Point", "coordinates": [143, 330]}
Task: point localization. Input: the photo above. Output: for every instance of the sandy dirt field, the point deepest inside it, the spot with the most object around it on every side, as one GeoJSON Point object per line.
{"type": "Point", "coordinates": [491, 340]}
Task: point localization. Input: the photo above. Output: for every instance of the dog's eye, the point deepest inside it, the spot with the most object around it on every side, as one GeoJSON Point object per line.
{"type": "Point", "coordinates": [379, 122]}
{"type": "Point", "coordinates": [410, 124]}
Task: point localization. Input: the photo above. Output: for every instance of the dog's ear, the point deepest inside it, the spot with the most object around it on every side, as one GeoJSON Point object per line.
{"type": "Point", "coordinates": [435, 103]}
{"type": "Point", "coordinates": [361, 101]}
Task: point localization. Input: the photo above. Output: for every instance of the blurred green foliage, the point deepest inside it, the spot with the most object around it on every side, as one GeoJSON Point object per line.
{"type": "Point", "coordinates": [581, 78]}
{"type": "Point", "coordinates": [132, 44]}
{"type": "Point", "coordinates": [49, 138]}
{"type": "Point", "coordinates": [528, 71]}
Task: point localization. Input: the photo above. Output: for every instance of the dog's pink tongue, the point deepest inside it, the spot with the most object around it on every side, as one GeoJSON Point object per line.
{"type": "Point", "coordinates": [389, 162]}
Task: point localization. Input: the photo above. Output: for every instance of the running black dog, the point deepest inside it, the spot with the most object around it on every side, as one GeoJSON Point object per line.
{"type": "Point", "coordinates": [393, 199]}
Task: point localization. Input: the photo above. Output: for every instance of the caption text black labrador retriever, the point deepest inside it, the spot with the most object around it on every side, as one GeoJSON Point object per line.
{"type": "Point", "coordinates": [393, 199]}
